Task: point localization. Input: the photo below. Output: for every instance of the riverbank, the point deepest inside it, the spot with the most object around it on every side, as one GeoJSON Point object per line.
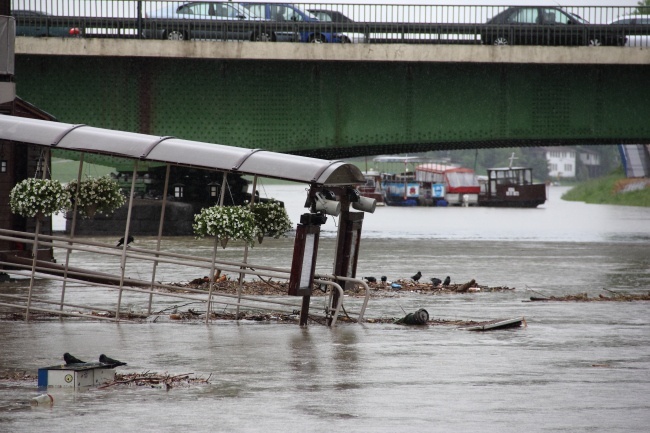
{"type": "Point", "coordinates": [614, 189]}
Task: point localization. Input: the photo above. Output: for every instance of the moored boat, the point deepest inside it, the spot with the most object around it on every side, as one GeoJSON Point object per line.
{"type": "Point", "coordinates": [448, 184]}
{"type": "Point", "coordinates": [511, 187]}
{"type": "Point", "coordinates": [372, 187]}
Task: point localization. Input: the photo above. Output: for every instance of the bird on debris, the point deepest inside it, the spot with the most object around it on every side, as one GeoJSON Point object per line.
{"type": "Point", "coordinates": [69, 359]}
{"type": "Point", "coordinates": [110, 361]}
{"type": "Point", "coordinates": [417, 276]}
{"type": "Point", "coordinates": [121, 241]}
{"type": "Point", "coordinates": [447, 281]}
{"type": "Point", "coordinates": [384, 278]}
{"type": "Point", "coordinates": [370, 279]}
{"type": "Point", "coordinates": [436, 281]}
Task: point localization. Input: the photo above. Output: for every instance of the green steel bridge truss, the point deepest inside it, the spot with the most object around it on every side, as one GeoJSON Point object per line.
{"type": "Point", "coordinates": [343, 109]}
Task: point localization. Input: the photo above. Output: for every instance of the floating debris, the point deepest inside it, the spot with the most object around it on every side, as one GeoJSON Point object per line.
{"type": "Point", "coordinates": [378, 288]}
{"type": "Point", "coordinates": [420, 317]}
{"type": "Point", "coordinates": [156, 380]}
{"type": "Point", "coordinates": [495, 324]}
{"type": "Point", "coordinates": [584, 297]}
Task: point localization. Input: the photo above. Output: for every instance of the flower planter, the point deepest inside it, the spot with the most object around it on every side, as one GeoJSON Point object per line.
{"type": "Point", "coordinates": [271, 219]}
{"type": "Point", "coordinates": [101, 194]}
{"type": "Point", "coordinates": [38, 198]}
{"type": "Point", "coordinates": [226, 223]}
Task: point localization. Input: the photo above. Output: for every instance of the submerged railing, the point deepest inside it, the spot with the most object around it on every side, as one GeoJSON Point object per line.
{"type": "Point", "coordinates": [338, 23]}
{"type": "Point", "coordinates": [49, 271]}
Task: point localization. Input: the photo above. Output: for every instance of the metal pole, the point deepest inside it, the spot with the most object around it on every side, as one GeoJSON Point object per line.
{"type": "Point", "coordinates": [214, 251]}
{"type": "Point", "coordinates": [35, 255]}
{"type": "Point", "coordinates": [241, 274]}
{"type": "Point", "coordinates": [37, 230]}
{"type": "Point", "coordinates": [72, 228]}
{"type": "Point", "coordinates": [214, 258]}
{"type": "Point", "coordinates": [126, 240]}
{"type": "Point", "coordinates": [160, 230]}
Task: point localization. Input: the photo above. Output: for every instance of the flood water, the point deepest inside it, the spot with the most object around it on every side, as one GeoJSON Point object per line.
{"type": "Point", "coordinates": [575, 367]}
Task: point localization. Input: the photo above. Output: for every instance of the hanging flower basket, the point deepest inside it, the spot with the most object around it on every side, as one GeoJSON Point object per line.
{"type": "Point", "coordinates": [226, 223]}
{"type": "Point", "coordinates": [271, 219]}
{"type": "Point", "coordinates": [38, 198]}
{"type": "Point", "coordinates": [100, 194]}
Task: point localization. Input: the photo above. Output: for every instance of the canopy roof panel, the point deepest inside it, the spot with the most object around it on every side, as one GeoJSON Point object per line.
{"type": "Point", "coordinates": [82, 138]}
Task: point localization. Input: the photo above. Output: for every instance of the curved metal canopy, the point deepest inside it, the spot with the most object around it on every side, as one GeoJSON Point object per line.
{"type": "Point", "coordinates": [83, 138]}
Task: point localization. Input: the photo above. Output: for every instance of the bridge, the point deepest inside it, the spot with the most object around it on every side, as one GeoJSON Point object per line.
{"type": "Point", "coordinates": [337, 100]}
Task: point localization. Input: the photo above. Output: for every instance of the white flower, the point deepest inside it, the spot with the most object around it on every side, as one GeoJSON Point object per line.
{"type": "Point", "coordinates": [225, 222]}
{"type": "Point", "coordinates": [271, 219]}
{"type": "Point", "coordinates": [103, 193]}
{"type": "Point", "coordinates": [38, 196]}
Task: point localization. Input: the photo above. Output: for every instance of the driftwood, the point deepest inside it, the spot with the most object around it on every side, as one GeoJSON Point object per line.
{"type": "Point", "coordinates": [465, 287]}
{"type": "Point", "coordinates": [155, 380]}
{"type": "Point", "coordinates": [584, 297]}
{"type": "Point", "coordinates": [378, 289]}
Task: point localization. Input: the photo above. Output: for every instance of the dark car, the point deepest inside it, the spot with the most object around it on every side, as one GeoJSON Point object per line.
{"type": "Point", "coordinates": [32, 23]}
{"type": "Point", "coordinates": [203, 20]}
{"type": "Point", "coordinates": [331, 16]}
{"type": "Point", "coordinates": [541, 25]}
{"type": "Point", "coordinates": [638, 34]}
{"type": "Point", "coordinates": [287, 13]}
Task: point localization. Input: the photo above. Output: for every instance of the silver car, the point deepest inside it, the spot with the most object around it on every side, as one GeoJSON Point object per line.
{"type": "Point", "coordinates": [637, 24]}
{"type": "Point", "coordinates": [209, 21]}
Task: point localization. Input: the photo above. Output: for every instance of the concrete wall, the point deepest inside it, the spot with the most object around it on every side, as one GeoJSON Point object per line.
{"type": "Point", "coordinates": [334, 52]}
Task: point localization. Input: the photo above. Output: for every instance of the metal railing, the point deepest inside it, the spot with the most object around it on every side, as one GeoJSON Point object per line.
{"type": "Point", "coordinates": [40, 270]}
{"type": "Point", "coordinates": [349, 23]}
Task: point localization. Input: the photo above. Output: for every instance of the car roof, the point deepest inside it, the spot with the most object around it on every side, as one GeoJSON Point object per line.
{"type": "Point", "coordinates": [629, 17]}
{"type": "Point", "coordinates": [15, 12]}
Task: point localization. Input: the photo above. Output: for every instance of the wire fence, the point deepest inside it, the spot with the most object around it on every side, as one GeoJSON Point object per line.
{"type": "Point", "coordinates": [334, 22]}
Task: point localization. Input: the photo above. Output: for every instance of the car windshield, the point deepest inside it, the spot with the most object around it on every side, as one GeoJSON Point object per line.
{"type": "Point", "coordinates": [579, 18]}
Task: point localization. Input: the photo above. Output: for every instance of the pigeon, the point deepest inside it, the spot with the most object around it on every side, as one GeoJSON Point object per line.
{"type": "Point", "coordinates": [436, 281]}
{"type": "Point", "coordinates": [69, 359]}
{"type": "Point", "coordinates": [384, 278]}
{"type": "Point", "coordinates": [447, 281]}
{"type": "Point", "coordinates": [110, 361]}
{"type": "Point", "coordinates": [121, 241]}
{"type": "Point", "coordinates": [370, 279]}
{"type": "Point", "coordinates": [417, 276]}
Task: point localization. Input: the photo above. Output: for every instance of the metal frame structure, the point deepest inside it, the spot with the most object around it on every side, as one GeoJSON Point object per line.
{"type": "Point", "coordinates": [171, 151]}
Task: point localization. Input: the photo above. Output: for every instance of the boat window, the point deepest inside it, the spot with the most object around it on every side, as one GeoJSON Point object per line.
{"type": "Point", "coordinates": [456, 179]}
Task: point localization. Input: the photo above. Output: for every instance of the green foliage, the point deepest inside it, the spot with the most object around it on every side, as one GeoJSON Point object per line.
{"type": "Point", "coordinates": [271, 219]}
{"type": "Point", "coordinates": [603, 191]}
{"type": "Point", "coordinates": [644, 7]}
{"type": "Point", "coordinates": [38, 196]}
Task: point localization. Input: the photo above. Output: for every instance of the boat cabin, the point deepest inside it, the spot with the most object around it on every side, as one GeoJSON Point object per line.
{"type": "Point", "coordinates": [456, 185]}
{"type": "Point", "coordinates": [511, 187]}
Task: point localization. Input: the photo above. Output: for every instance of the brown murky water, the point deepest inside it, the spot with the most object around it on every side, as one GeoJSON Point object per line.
{"type": "Point", "coordinates": [576, 367]}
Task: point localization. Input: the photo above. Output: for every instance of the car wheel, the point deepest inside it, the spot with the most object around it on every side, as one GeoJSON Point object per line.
{"type": "Point", "coordinates": [500, 40]}
{"type": "Point", "coordinates": [175, 35]}
{"type": "Point", "coordinates": [317, 39]}
{"type": "Point", "coordinates": [261, 37]}
{"type": "Point", "coordinates": [595, 42]}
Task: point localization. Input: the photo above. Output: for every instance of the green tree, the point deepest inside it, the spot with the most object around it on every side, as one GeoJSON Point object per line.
{"type": "Point", "coordinates": [644, 7]}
